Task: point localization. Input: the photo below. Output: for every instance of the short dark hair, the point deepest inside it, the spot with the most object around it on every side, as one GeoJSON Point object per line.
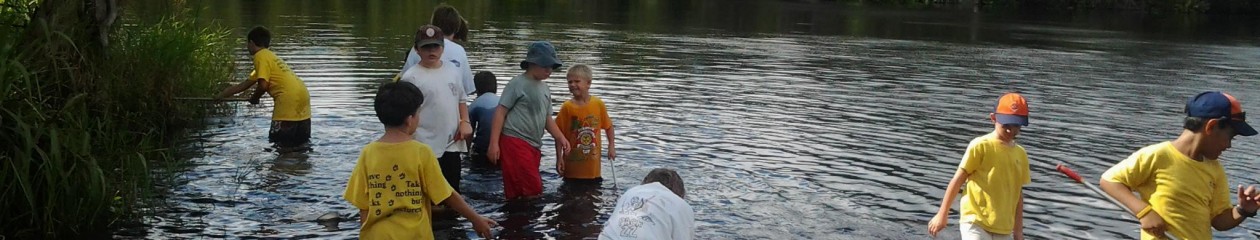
{"type": "Point", "coordinates": [1196, 124]}
{"type": "Point", "coordinates": [396, 101]}
{"type": "Point", "coordinates": [260, 36]}
{"type": "Point", "coordinates": [485, 82]}
{"type": "Point", "coordinates": [447, 18]}
{"type": "Point", "coordinates": [669, 178]}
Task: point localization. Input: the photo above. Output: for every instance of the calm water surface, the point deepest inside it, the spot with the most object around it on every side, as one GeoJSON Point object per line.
{"type": "Point", "coordinates": [787, 120]}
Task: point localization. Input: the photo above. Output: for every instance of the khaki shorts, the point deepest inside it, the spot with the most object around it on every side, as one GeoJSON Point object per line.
{"type": "Point", "coordinates": [975, 232]}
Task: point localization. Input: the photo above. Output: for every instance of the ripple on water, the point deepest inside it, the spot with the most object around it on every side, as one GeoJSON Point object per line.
{"type": "Point", "coordinates": [810, 137]}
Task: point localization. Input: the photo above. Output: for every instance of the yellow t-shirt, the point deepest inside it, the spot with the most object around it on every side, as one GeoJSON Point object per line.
{"type": "Point", "coordinates": [998, 173]}
{"type": "Point", "coordinates": [581, 126]}
{"type": "Point", "coordinates": [397, 183]}
{"type": "Point", "coordinates": [293, 102]}
{"type": "Point", "coordinates": [1185, 192]}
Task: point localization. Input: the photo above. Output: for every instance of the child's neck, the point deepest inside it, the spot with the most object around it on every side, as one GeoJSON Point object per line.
{"type": "Point", "coordinates": [394, 135]}
{"type": "Point", "coordinates": [582, 99]}
{"type": "Point", "coordinates": [434, 65]}
{"type": "Point", "coordinates": [1188, 145]}
{"type": "Point", "coordinates": [998, 135]}
{"type": "Point", "coordinates": [530, 74]}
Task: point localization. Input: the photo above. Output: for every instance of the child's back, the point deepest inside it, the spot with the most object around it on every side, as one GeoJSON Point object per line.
{"type": "Point", "coordinates": [397, 179]}
{"type": "Point", "coordinates": [396, 182]}
{"type": "Point", "coordinates": [481, 111]}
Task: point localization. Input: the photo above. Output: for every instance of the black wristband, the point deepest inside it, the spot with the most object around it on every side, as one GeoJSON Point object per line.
{"type": "Point", "coordinates": [1243, 212]}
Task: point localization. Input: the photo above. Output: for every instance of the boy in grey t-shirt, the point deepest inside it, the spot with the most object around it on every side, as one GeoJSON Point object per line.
{"type": "Point", "coordinates": [523, 113]}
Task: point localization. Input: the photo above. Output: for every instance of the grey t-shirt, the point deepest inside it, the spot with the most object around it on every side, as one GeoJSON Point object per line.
{"type": "Point", "coordinates": [528, 104]}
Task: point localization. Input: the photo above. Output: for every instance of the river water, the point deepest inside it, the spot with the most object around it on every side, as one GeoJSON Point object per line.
{"type": "Point", "coordinates": [786, 120]}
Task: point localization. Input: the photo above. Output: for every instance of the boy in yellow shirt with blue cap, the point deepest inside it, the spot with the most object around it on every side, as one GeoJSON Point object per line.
{"type": "Point", "coordinates": [1182, 184]}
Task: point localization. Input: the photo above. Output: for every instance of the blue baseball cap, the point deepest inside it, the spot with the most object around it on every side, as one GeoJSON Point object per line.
{"type": "Point", "coordinates": [1219, 105]}
{"type": "Point", "coordinates": [541, 53]}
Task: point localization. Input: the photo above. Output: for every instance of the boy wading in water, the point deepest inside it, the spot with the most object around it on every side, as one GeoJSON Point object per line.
{"type": "Point", "coordinates": [995, 170]}
{"type": "Point", "coordinates": [291, 116]}
{"type": "Point", "coordinates": [524, 112]}
{"type": "Point", "coordinates": [396, 180]}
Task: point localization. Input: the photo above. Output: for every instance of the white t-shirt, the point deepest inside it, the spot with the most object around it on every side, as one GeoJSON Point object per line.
{"type": "Point", "coordinates": [650, 211]}
{"type": "Point", "coordinates": [439, 114]}
{"type": "Point", "coordinates": [452, 54]}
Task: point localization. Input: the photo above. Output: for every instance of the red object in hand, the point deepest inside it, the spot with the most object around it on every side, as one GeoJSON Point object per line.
{"type": "Point", "coordinates": [1067, 171]}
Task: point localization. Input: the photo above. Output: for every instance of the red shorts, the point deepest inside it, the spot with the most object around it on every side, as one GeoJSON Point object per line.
{"type": "Point", "coordinates": [520, 162]}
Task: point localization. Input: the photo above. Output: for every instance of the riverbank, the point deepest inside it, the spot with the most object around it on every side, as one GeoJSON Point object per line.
{"type": "Point", "coordinates": [89, 110]}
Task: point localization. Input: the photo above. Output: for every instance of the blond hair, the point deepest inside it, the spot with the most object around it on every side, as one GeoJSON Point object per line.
{"type": "Point", "coordinates": [583, 70]}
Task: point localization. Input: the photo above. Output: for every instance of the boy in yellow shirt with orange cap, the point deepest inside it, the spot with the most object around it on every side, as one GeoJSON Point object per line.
{"type": "Point", "coordinates": [1182, 184]}
{"type": "Point", "coordinates": [995, 170]}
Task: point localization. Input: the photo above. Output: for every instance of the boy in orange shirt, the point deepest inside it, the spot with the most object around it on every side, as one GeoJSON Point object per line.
{"type": "Point", "coordinates": [581, 119]}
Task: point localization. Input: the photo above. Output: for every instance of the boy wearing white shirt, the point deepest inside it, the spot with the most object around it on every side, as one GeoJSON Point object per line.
{"type": "Point", "coordinates": [654, 210]}
{"type": "Point", "coordinates": [444, 111]}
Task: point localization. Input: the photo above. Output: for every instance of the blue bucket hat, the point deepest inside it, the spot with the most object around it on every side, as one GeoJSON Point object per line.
{"type": "Point", "coordinates": [543, 54]}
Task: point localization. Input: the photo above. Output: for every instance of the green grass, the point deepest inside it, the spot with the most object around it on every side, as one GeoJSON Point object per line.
{"type": "Point", "coordinates": [81, 128]}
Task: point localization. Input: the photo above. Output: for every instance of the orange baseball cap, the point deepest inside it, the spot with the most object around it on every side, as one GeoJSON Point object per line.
{"type": "Point", "coordinates": [1012, 109]}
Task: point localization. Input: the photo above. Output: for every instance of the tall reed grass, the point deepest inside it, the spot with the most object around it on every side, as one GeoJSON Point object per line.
{"type": "Point", "coordinates": [80, 133]}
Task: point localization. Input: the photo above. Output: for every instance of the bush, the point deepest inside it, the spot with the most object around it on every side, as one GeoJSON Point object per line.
{"type": "Point", "coordinates": [80, 128]}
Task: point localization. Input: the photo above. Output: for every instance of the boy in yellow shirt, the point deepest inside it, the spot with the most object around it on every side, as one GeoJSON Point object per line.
{"type": "Point", "coordinates": [291, 116]}
{"type": "Point", "coordinates": [1182, 184]}
{"type": "Point", "coordinates": [396, 180]}
{"type": "Point", "coordinates": [581, 119]}
{"type": "Point", "coordinates": [995, 169]}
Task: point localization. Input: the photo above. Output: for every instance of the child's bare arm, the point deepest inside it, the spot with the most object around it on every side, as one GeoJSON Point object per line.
{"type": "Point", "coordinates": [234, 89]}
{"type": "Point", "coordinates": [363, 213]}
{"type": "Point", "coordinates": [463, 132]}
{"type": "Point", "coordinates": [951, 191]}
{"type": "Point", "coordinates": [612, 145]}
{"type": "Point", "coordinates": [496, 129]}
{"type": "Point", "coordinates": [480, 224]}
{"type": "Point", "coordinates": [561, 142]}
{"type": "Point", "coordinates": [1123, 194]}
{"type": "Point", "coordinates": [1150, 221]}
{"type": "Point", "coordinates": [259, 91]}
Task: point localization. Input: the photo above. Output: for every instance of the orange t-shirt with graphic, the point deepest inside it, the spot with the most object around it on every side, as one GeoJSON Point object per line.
{"type": "Point", "coordinates": [581, 125]}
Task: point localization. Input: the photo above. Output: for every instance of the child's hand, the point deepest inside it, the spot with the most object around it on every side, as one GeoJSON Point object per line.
{"type": "Point", "coordinates": [563, 146]}
{"type": "Point", "coordinates": [939, 222]}
{"type": "Point", "coordinates": [612, 154]}
{"type": "Point", "coordinates": [1153, 224]}
{"type": "Point", "coordinates": [465, 131]}
{"type": "Point", "coordinates": [1248, 199]}
{"type": "Point", "coordinates": [560, 167]}
{"type": "Point", "coordinates": [492, 153]}
{"type": "Point", "coordinates": [482, 226]}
